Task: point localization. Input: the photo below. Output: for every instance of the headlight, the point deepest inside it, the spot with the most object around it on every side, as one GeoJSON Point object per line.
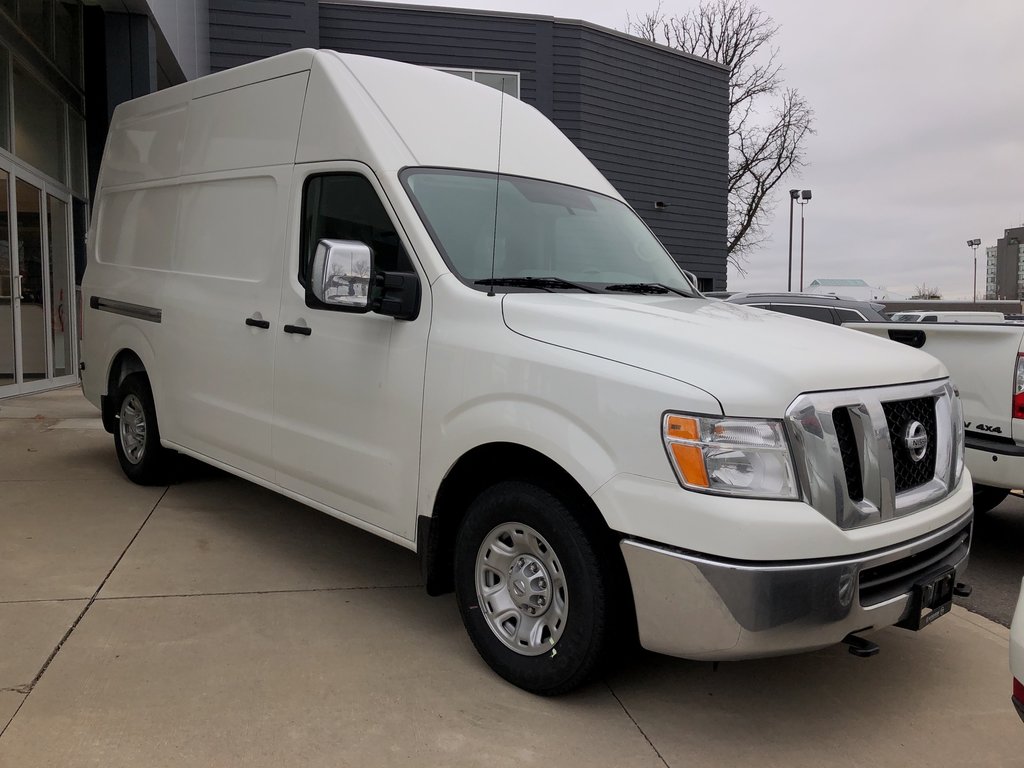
{"type": "Point", "coordinates": [738, 457]}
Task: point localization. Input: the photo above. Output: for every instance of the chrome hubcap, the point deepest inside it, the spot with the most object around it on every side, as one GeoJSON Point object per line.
{"type": "Point", "coordinates": [521, 589]}
{"type": "Point", "coordinates": [132, 428]}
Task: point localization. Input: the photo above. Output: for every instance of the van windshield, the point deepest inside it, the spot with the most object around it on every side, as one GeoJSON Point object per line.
{"type": "Point", "coordinates": [548, 235]}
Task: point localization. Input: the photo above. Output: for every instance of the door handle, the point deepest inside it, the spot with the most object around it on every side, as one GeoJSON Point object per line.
{"type": "Point", "coordinates": [302, 330]}
{"type": "Point", "coordinates": [252, 321]}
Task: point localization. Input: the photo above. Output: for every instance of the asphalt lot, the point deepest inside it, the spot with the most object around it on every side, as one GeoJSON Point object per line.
{"type": "Point", "coordinates": [997, 562]}
{"type": "Point", "coordinates": [214, 623]}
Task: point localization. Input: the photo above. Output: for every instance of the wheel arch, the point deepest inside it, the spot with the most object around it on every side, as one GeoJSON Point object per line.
{"type": "Point", "coordinates": [480, 468]}
{"type": "Point", "coordinates": [124, 363]}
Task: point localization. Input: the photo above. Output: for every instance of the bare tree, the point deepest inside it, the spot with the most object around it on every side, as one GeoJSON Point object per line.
{"type": "Point", "coordinates": [361, 269]}
{"type": "Point", "coordinates": [768, 123]}
{"type": "Point", "coordinates": [924, 291]}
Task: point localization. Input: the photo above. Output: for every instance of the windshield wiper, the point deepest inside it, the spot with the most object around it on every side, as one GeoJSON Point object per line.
{"type": "Point", "coordinates": [545, 283]}
{"type": "Point", "coordinates": [647, 288]}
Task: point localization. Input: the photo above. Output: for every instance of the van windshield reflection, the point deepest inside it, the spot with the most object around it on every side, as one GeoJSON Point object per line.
{"type": "Point", "coordinates": [548, 236]}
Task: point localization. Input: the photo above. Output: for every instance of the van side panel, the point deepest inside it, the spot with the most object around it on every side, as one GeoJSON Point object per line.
{"type": "Point", "coordinates": [230, 243]}
{"type": "Point", "coordinates": [146, 147]}
{"type": "Point", "coordinates": [131, 252]}
{"type": "Point", "coordinates": [249, 127]}
{"type": "Point", "coordinates": [137, 228]}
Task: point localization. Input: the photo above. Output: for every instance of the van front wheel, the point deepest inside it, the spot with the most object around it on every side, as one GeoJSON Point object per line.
{"type": "Point", "coordinates": [136, 434]}
{"type": "Point", "coordinates": [531, 591]}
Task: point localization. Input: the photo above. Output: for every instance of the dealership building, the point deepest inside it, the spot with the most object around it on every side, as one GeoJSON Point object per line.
{"type": "Point", "coordinates": [653, 120]}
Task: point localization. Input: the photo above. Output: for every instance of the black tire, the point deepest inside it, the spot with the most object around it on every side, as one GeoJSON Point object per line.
{"type": "Point", "coordinates": [987, 498]}
{"type": "Point", "coordinates": [137, 435]}
{"type": "Point", "coordinates": [552, 665]}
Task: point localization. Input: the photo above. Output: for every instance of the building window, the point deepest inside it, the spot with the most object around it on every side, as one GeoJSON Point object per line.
{"type": "Point", "coordinates": [5, 102]}
{"type": "Point", "coordinates": [55, 28]}
{"type": "Point", "coordinates": [502, 81]}
{"type": "Point", "coordinates": [39, 126]}
{"type": "Point", "coordinates": [67, 30]}
{"type": "Point", "coordinates": [36, 19]}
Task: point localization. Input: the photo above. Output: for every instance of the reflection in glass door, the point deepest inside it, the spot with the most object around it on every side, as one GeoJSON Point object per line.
{"type": "Point", "coordinates": [7, 285]}
{"type": "Point", "coordinates": [32, 313]}
{"type": "Point", "coordinates": [62, 293]}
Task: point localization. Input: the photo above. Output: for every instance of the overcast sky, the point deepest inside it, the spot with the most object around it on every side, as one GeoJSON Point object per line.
{"type": "Point", "coordinates": [919, 109]}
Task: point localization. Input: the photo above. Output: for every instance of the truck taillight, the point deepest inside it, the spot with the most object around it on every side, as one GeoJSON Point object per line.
{"type": "Point", "coordinates": [1018, 389]}
{"type": "Point", "coordinates": [1018, 690]}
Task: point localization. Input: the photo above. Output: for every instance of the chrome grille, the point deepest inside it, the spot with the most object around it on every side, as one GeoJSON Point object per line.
{"type": "Point", "coordinates": [852, 457]}
{"type": "Point", "coordinates": [848, 451]}
{"type": "Point", "coordinates": [899, 415]}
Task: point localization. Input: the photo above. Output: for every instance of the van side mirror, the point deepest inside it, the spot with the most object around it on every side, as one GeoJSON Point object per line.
{"type": "Point", "coordinates": [343, 277]}
{"type": "Point", "coordinates": [342, 273]}
{"type": "Point", "coordinates": [396, 294]}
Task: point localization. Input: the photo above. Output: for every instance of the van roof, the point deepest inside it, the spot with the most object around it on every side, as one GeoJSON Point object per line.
{"type": "Point", "coordinates": [386, 114]}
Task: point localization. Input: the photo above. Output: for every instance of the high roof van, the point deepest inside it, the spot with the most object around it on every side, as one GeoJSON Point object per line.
{"type": "Point", "coordinates": [407, 300]}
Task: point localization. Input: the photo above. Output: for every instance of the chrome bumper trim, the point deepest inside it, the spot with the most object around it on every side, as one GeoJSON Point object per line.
{"type": "Point", "coordinates": [699, 607]}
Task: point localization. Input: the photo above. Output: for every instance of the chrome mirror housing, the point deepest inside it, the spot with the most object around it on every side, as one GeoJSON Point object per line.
{"type": "Point", "coordinates": [341, 273]}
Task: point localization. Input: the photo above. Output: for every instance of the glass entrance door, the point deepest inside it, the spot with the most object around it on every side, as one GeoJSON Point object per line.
{"type": "Point", "coordinates": [8, 284]}
{"type": "Point", "coordinates": [28, 206]}
{"type": "Point", "coordinates": [37, 348]}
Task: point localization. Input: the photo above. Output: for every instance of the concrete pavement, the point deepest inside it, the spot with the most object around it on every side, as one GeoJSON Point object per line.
{"type": "Point", "coordinates": [217, 624]}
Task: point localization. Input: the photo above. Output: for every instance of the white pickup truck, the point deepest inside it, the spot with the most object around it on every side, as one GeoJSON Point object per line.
{"type": "Point", "coordinates": [986, 363]}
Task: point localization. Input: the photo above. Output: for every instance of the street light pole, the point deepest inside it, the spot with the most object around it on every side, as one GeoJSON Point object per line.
{"type": "Point", "coordinates": [793, 194]}
{"type": "Point", "coordinates": [805, 197]}
{"type": "Point", "coordinates": [973, 244]}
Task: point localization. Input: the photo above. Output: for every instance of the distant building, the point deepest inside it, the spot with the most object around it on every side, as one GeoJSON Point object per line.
{"type": "Point", "coordinates": [1009, 265]}
{"type": "Point", "coordinates": [851, 288]}
{"type": "Point", "coordinates": [990, 271]}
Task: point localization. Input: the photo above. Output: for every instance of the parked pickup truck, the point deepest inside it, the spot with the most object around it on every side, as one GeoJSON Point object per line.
{"type": "Point", "coordinates": [409, 301]}
{"type": "Point", "coordinates": [986, 363]}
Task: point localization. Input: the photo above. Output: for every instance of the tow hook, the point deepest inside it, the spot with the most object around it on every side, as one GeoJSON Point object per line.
{"type": "Point", "coordinates": [860, 647]}
{"type": "Point", "coordinates": [962, 590]}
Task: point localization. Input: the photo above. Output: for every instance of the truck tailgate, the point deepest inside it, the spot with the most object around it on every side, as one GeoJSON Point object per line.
{"type": "Point", "coordinates": [981, 360]}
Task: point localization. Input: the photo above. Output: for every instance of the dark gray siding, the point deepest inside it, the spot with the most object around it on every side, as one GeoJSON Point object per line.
{"type": "Point", "coordinates": [246, 30]}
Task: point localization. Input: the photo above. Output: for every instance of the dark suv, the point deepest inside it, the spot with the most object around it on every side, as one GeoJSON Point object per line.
{"type": "Point", "coordinates": [814, 306]}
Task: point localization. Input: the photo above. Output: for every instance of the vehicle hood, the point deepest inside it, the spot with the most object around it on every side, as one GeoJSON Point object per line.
{"type": "Point", "coordinates": [754, 361]}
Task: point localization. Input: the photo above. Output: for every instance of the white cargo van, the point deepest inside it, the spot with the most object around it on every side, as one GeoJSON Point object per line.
{"type": "Point", "coordinates": [310, 272]}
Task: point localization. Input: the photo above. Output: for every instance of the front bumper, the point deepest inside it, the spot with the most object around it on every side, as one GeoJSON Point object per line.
{"type": "Point", "coordinates": [699, 607]}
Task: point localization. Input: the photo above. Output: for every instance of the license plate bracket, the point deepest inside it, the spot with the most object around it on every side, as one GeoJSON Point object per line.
{"type": "Point", "coordinates": [931, 598]}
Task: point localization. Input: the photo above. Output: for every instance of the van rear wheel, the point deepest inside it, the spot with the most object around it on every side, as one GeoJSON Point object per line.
{"type": "Point", "coordinates": [136, 434]}
{"type": "Point", "coordinates": [531, 591]}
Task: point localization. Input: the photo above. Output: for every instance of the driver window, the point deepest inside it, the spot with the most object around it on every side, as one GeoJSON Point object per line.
{"type": "Point", "coordinates": [345, 206]}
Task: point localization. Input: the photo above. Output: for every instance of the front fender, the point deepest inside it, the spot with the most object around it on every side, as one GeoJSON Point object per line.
{"type": "Point", "coordinates": [528, 421]}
